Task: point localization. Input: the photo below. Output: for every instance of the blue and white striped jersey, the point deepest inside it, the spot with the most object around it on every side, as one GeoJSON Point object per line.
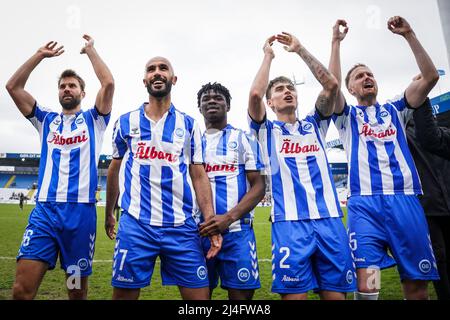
{"type": "Point", "coordinates": [69, 154]}
{"type": "Point", "coordinates": [379, 159]}
{"type": "Point", "coordinates": [296, 163]}
{"type": "Point", "coordinates": [154, 181]}
{"type": "Point", "coordinates": [229, 153]}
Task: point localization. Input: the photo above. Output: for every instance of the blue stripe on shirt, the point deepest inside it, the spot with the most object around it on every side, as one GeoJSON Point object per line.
{"type": "Point", "coordinates": [406, 153]}
{"type": "Point", "coordinates": [93, 166]}
{"type": "Point", "coordinates": [126, 197]}
{"type": "Point", "coordinates": [169, 127]}
{"type": "Point", "coordinates": [395, 167]}
{"type": "Point", "coordinates": [44, 152]}
{"type": "Point", "coordinates": [145, 194]}
{"type": "Point", "coordinates": [125, 129]}
{"type": "Point", "coordinates": [375, 173]}
{"type": "Point", "coordinates": [355, 186]}
{"type": "Point", "coordinates": [299, 192]}
{"type": "Point", "coordinates": [277, 185]}
{"type": "Point", "coordinates": [167, 195]}
{"type": "Point", "coordinates": [187, 193]}
{"type": "Point", "coordinates": [189, 127]}
{"type": "Point", "coordinates": [317, 183]}
{"type": "Point", "coordinates": [144, 127]}
{"type": "Point", "coordinates": [242, 190]}
{"type": "Point", "coordinates": [221, 149]}
{"type": "Point", "coordinates": [221, 194]}
{"type": "Point", "coordinates": [52, 189]}
{"type": "Point", "coordinates": [74, 174]}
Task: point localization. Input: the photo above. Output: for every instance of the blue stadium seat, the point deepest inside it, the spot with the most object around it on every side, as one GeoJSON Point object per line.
{"type": "Point", "coordinates": [24, 181]}
{"type": "Point", "coordinates": [4, 179]}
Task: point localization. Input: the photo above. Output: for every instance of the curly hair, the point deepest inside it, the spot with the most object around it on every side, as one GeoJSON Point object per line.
{"type": "Point", "coordinates": [216, 87]}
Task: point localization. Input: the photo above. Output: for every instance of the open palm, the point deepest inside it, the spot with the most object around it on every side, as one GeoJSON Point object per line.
{"type": "Point", "coordinates": [50, 50]}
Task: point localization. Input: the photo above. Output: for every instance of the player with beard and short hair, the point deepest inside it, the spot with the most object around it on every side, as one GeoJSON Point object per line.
{"type": "Point", "coordinates": [157, 172]}
{"type": "Point", "coordinates": [63, 222]}
{"type": "Point", "coordinates": [383, 209]}
{"type": "Point", "coordinates": [233, 165]}
{"type": "Point", "coordinates": [67, 99]}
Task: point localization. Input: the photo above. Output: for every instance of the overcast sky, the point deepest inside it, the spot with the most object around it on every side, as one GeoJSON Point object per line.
{"type": "Point", "coordinates": [206, 41]}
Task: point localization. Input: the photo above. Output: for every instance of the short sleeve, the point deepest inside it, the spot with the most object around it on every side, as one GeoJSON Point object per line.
{"type": "Point", "coordinates": [323, 123]}
{"type": "Point", "coordinates": [119, 144]}
{"type": "Point", "coordinates": [38, 116]}
{"type": "Point", "coordinates": [252, 153]}
{"type": "Point", "coordinates": [401, 105]}
{"type": "Point", "coordinates": [197, 146]}
{"type": "Point", "coordinates": [341, 121]}
{"type": "Point", "coordinates": [100, 120]}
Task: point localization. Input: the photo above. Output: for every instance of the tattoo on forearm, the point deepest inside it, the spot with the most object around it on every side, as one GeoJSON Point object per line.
{"type": "Point", "coordinates": [324, 104]}
{"type": "Point", "coordinates": [320, 72]}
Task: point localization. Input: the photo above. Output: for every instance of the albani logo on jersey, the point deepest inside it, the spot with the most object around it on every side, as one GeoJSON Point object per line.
{"type": "Point", "coordinates": [145, 152]}
{"type": "Point", "coordinates": [59, 139]}
{"type": "Point", "coordinates": [292, 147]}
{"type": "Point", "coordinates": [220, 168]}
{"type": "Point", "coordinates": [367, 131]}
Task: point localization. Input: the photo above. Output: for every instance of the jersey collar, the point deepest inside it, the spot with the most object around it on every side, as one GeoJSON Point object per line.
{"type": "Point", "coordinates": [70, 115]}
{"type": "Point", "coordinates": [376, 105]}
{"type": "Point", "coordinates": [170, 111]}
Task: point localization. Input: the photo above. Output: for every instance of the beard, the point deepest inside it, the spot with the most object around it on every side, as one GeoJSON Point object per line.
{"type": "Point", "coordinates": [70, 105]}
{"type": "Point", "coordinates": [159, 93]}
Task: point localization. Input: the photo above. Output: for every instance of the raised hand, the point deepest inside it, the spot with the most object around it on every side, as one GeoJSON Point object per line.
{"type": "Point", "coordinates": [399, 25]}
{"type": "Point", "coordinates": [290, 42]}
{"type": "Point", "coordinates": [339, 35]}
{"type": "Point", "coordinates": [50, 50]}
{"type": "Point", "coordinates": [88, 45]}
{"type": "Point", "coordinates": [268, 46]}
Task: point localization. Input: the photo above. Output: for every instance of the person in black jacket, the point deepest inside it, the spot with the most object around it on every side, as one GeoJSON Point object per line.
{"type": "Point", "coordinates": [432, 137]}
{"type": "Point", "coordinates": [429, 144]}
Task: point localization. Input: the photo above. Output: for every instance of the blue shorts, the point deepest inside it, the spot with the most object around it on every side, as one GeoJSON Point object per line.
{"type": "Point", "coordinates": [64, 229]}
{"type": "Point", "coordinates": [236, 264]}
{"type": "Point", "coordinates": [179, 249]}
{"type": "Point", "coordinates": [311, 255]}
{"type": "Point", "coordinates": [394, 222]}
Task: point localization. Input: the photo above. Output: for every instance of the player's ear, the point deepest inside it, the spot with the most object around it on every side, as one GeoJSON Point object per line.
{"type": "Point", "coordinates": [83, 94]}
{"type": "Point", "coordinates": [270, 104]}
{"type": "Point", "coordinates": [350, 90]}
{"type": "Point", "coordinates": [174, 79]}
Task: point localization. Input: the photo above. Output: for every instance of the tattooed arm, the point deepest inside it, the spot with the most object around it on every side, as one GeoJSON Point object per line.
{"type": "Point", "coordinates": [326, 100]}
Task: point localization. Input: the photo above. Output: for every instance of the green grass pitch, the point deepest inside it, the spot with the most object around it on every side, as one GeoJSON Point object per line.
{"type": "Point", "coordinates": [13, 222]}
